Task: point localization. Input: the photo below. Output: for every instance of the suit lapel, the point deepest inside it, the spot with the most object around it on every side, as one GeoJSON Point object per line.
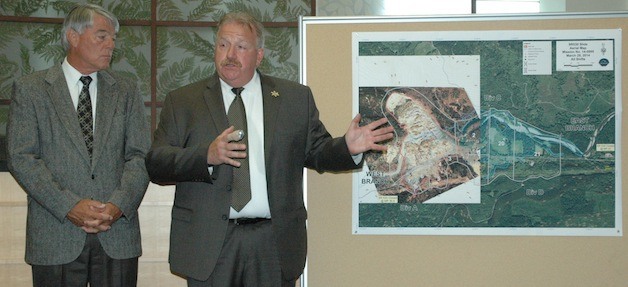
{"type": "Point", "coordinates": [272, 101]}
{"type": "Point", "coordinates": [62, 103]}
{"type": "Point", "coordinates": [108, 96]}
{"type": "Point", "coordinates": [215, 104]}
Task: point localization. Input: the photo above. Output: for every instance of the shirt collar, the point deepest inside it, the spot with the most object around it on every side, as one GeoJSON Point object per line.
{"type": "Point", "coordinates": [73, 75]}
{"type": "Point", "coordinates": [254, 82]}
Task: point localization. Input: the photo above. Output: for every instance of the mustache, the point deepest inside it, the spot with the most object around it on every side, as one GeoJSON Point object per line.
{"type": "Point", "coordinates": [230, 62]}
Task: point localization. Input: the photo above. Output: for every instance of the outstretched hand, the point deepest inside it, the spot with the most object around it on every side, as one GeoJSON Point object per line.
{"type": "Point", "coordinates": [364, 138]}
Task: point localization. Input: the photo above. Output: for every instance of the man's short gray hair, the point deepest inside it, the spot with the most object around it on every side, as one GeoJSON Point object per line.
{"type": "Point", "coordinates": [81, 17]}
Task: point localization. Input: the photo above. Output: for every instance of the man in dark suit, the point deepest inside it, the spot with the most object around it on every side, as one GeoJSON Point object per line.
{"type": "Point", "coordinates": [77, 146]}
{"type": "Point", "coordinates": [213, 241]}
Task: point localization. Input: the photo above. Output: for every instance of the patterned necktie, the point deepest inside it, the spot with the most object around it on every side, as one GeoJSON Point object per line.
{"type": "Point", "coordinates": [241, 186]}
{"type": "Point", "coordinates": [84, 111]}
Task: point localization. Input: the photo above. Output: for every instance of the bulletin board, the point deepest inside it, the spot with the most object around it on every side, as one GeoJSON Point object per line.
{"type": "Point", "coordinates": [341, 255]}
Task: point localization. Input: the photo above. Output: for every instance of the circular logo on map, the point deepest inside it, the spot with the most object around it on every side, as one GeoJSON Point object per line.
{"type": "Point", "coordinates": [604, 62]}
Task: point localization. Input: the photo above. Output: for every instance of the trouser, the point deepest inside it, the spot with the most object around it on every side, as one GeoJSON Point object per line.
{"type": "Point", "coordinates": [249, 258]}
{"type": "Point", "coordinates": [93, 266]}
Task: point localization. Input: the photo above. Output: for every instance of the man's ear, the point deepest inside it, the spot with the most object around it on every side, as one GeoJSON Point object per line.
{"type": "Point", "coordinates": [260, 56]}
{"type": "Point", "coordinates": [72, 36]}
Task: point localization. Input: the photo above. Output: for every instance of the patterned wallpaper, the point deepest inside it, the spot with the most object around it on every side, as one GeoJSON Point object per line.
{"type": "Point", "coordinates": [349, 7]}
{"type": "Point", "coordinates": [30, 41]}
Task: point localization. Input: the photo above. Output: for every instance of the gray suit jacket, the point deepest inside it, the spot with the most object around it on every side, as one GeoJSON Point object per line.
{"type": "Point", "coordinates": [294, 138]}
{"type": "Point", "coordinates": [48, 158]}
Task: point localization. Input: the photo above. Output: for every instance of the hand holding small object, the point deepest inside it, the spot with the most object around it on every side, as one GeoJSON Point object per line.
{"type": "Point", "coordinates": [236, 136]}
{"type": "Point", "coordinates": [226, 148]}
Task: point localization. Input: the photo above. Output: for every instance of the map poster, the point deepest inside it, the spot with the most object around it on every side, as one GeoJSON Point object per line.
{"type": "Point", "coordinates": [496, 132]}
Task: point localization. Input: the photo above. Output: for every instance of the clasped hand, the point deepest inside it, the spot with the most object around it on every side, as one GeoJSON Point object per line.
{"type": "Point", "coordinates": [94, 216]}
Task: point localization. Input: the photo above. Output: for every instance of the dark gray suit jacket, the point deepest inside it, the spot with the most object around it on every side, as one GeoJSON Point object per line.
{"type": "Point", "coordinates": [294, 138]}
{"type": "Point", "coordinates": [48, 158]}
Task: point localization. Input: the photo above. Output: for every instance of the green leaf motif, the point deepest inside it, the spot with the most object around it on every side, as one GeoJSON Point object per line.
{"type": "Point", "coordinates": [287, 70]}
{"type": "Point", "coordinates": [201, 73]}
{"type": "Point", "coordinates": [168, 11]}
{"type": "Point", "coordinates": [28, 7]}
{"type": "Point", "coordinates": [162, 47]}
{"type": "Point", "coordinates": [7, 7]}
{"type": "Point", "coordinates": [133, 37]}
{"type": "Point", "coordinates": [131, 9]}
{"type": "Point", "coordinates": [8, 70]}
{"type": "Point", "coordinates": [132, 44]}
{"type": "Point", "coordinates": [206, 7]}
{"type": "Point", "coordinates": [45, 41]}
{"type": "Point", "coordinates": [251, 9]}
{"type": "Point", "coordinates": [43, 36]}
{"type": "Point", "coordinates": [63, 7]}
{"type": "Point", "coordinates": [140, 64]}
{"type": "Point", "coordinates": [8, 31]}
{"type": "Point", "coordinates": [25, 55]}
{"type": "Point", "coordinates": [193, 43]}
{"type": "Point", "coordinates": [278, 41]}
{"type": "Point", "coordinates": [53, 54]}
{"type": "Point", "coordinates": [294, 13]}
{"type": "Point", "coordinates": [281, 6]}
{"type": "Point", "coordinates": [289, 10]}
{"type": "Point", "coordinates": [174, 76]}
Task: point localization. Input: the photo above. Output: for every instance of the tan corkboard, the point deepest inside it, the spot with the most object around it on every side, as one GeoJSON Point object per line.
{"type": "Point", "coordinates": [338, 258]}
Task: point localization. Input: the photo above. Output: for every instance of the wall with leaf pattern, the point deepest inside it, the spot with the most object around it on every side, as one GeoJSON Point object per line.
{"type": "Point", "coordinates": [30, 41]}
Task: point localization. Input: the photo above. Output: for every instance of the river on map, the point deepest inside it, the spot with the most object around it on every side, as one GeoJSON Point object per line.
{"type": "Point", "coordinates": [507, 119]}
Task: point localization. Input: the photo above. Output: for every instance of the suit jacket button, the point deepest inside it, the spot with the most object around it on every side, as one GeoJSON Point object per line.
{"type": "Point", "coordinates": [93, 176]}
{"type": "Point", "coordinates": [228, 187]}
{"type": "Point", "coordinates": [225, 217]}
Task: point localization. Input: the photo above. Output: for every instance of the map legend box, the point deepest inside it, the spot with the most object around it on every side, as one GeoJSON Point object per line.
{"type": "Point", "coordinates": [537, 58]}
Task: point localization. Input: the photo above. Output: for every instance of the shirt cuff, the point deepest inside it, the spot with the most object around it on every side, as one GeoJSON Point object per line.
{"type": "Point", "coordinates": [357, 158]}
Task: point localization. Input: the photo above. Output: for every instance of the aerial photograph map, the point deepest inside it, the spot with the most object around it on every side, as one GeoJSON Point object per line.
{"type": "Point", "coordinates": [496, 133]}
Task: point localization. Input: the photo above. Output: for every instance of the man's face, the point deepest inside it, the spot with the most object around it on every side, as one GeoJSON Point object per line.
{"type": "Point", "coordinates": [91, 51]}
{"type": "Point", "coordinates": [237, 55]}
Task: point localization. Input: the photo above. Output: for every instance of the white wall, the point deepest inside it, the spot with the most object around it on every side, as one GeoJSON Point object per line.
{"type": "Point", "coordinates": [596, 5]}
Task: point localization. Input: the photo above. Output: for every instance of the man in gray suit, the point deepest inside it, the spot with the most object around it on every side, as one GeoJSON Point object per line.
{"type": "Point", "coordinates": [213, 241]}
{"type": "Point", "coordinates": [77, 147]}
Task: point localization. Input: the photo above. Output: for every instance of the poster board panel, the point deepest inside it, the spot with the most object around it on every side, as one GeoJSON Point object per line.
{"type": "Point", "coordinates": [338, 258]}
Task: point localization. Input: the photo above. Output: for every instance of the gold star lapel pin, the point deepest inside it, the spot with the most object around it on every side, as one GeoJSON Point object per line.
{"type": "Point", "coordinates": [274, 94]}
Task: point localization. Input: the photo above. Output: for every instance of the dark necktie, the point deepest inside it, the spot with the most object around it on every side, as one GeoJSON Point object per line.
{"type": "Point", "coordinates": [84, 111]}
{"type": "Point", "coordinates": [241, 186]}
